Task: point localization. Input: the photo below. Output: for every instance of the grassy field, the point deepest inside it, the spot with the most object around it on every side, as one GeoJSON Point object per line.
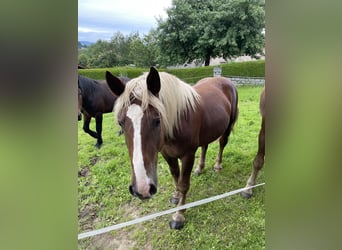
{"type": "Point", "coordinates": [230, 223]}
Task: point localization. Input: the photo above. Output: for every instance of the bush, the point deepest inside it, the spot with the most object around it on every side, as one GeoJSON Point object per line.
{"type": "Point", "coordinates": [189, 75]}
{"type": "Point", "coordinates": [249, 69]}
{"type": "Point", "coordinates": [99, 74]}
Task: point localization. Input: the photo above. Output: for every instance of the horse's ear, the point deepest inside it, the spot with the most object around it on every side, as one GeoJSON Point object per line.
{"type": "Point", "coordinates": [153, 81]}
{"type": "Point", "coordinates": [114, 84]}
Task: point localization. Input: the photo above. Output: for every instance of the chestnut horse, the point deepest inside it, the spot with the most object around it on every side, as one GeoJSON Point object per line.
{"type": "Point", "coordinates": [94, 99]}
{"type": "Point", "coordinates": [260, 156]}
{"type": "Point", "coordinates": [160, 113]}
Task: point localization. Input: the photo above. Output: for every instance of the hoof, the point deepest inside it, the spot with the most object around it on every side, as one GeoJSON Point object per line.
{"type": "Point", "coordinates": [174, 200]}
{"type": "Point", "coordinates": [98, 145]}
{"type": "Point", "coordinates": [217, 167]}
{"type": "Point", "coordinates": [197, 172]}
{"type": "Point", "coordinates": [176, 224]}
{"type": "Point", "coordinates": [246, 195]}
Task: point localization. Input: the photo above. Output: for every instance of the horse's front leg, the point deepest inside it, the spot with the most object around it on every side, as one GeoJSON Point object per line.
{"type": "Point", "coordinates": [174, 169]}
{"type": "Point", "coordinates": [86, 128]}
{"type": "Point", "coordinates": [99, 119]}
{"type": "Point", "coordinates": [182, 188]}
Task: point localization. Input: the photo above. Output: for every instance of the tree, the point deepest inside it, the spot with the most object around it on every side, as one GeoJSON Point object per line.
{"type": "Point", "coordinates": [121, 45]}
{"type": "Point", "coordinates": [100, 54]}
{"type": "Point", "coordinates": [197, 29]}
{"type": "Point", "coordinates": [83, 60]}
{"type": "Point", "coordinates": [111, 53]}
{"type": "Point", "coordinates": [145, 51]}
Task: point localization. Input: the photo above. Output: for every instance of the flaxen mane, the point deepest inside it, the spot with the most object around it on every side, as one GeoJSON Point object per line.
{"type": "Point", "coordinates": [175, 98]}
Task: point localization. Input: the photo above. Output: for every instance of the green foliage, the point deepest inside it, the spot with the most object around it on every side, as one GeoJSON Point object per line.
{"type": "Point", "coordinates": [100, 54]}
{"type": "Point", "coordinates": [231, 223]}
{"type": "Point", "coordinates": [204, 29]}
{"type": "Point", "coordinates": [121, 51]}
{"type": "Point", "coordinates": [250, 69]}
{"type": "Point", "coordinates": [189, 75]}
{"type": "Point", "coordinates": [83, 59]}
{"type": "Point", "coordinates": [111, 53]}
{"type": "Point", "coordinates": [144, 52]}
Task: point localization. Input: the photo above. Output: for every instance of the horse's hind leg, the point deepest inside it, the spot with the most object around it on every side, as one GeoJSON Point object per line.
{"type": "Point", "coordinates": [86, 128]}
{"type": "Point", "coordinates": [223, 143]}
{"type": "Point", "coordinates": [99, 119]}
{"type": "Point", "coordinates": [201, 162]}
{"type": "Point", "coordinates": [257, 163]}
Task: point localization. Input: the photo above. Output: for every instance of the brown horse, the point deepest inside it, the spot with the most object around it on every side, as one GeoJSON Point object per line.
{"type": "Point", "coordinates": [160, 113]}
{"type": "Point", "coordinates": [94, 99]}
{"type": "Point", "coordinates": [260, 156]}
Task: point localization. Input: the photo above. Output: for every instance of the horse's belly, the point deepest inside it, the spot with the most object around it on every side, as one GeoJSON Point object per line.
{"type": "Point", "coordinates": [211, 134]}
{"type": "Point", "coordinates": [214, 124]}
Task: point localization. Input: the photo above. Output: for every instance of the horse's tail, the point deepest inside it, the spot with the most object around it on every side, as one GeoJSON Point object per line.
{"type": "Point", "coordinates": [234, 109]}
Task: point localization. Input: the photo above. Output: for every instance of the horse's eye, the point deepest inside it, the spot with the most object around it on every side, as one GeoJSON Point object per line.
{"type": "Point", "coordinates": [121, 123]}
{"type": "Point", "coordinates": [156, 122]}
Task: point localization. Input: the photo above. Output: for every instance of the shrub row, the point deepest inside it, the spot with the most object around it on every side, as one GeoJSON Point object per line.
{"type": "Point", "coordinates": [99, 73]}
{"type": "Point", "coordinates": [190, 75]}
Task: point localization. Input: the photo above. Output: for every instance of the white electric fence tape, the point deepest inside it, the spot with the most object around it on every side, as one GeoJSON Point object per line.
{"type": "Point", "coordinates": [158, 214]}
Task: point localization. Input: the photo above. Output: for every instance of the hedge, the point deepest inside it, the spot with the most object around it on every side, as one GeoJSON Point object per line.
{"type": "Point", "coordinates": [189, 75]}
{"type": "Point", "coordinates": [99, 73]}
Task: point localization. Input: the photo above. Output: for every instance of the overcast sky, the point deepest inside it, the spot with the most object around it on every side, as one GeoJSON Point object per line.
{"type": "Point", "coordinates": [100, 19]}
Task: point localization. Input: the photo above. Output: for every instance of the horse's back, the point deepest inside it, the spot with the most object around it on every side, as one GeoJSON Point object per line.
{"type": "Point", "coordinates": [216, 85]}
{"type": "Point", "coordinates": [96, 95]}
{"type": "Point", "coordinates": [218, 105]}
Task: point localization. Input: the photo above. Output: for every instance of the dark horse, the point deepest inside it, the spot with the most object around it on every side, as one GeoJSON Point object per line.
{"type": "Point", "coordinates": [260, 156]}
{"type": "Point", "coordinates": [160, 113]}
{"type": "Point", "coordinates": [94, 99]}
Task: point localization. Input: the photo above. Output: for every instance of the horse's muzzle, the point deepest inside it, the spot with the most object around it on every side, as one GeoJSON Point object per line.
{"type": "Point", "coordinates": [152, 191]}
{"type": "Point", "coordinates": [79, 116]}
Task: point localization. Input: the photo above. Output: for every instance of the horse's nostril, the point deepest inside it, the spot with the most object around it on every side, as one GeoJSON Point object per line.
{"type": "Point", "coordinates": [153, 189]}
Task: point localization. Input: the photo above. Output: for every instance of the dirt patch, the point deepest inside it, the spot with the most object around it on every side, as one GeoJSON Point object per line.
{"type": "Point", "coordinates": [94, 160]}
{"type": "Point", "coordinates": [131, 211]}
{"type": "Point", "coordinates": [118, 240]}
{"type": "Point", "coordinates": [84, 172]}
{"type": "Point", "coordinates": [86, 217]}
{"type": "Point", "coordinates": [108, 241]}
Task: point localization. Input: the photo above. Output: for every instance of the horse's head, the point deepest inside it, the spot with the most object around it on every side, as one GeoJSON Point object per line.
{"type": "Point", "coordinates": [79, 115]}
{"type": "Point", "coordinates": [141, 125]}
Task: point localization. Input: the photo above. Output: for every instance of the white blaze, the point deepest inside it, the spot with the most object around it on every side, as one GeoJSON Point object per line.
{"type": "Point", "coordinates": [136, 114]}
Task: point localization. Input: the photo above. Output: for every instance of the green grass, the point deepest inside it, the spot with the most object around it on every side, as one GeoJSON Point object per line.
{"type": "Point", "coordinates": [230, 223]}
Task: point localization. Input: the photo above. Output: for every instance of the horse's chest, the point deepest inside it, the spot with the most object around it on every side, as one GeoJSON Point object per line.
{"type": "Point", "coordinates": [179, 146]}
